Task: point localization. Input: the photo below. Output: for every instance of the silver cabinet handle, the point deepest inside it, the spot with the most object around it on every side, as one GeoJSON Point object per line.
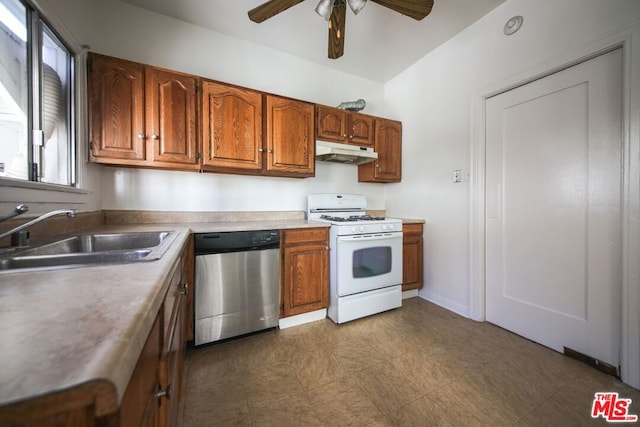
{"type": "Point", "coordinates": [260, 150]}
{"type": "Point", "coordinates": [165, 393]}
{"type": "Point", "coordinates": [154, 136]}
{"type": "Point", "coordinates": [141, 136]}
{"type": "Point", "coordinates": [183, 289]}
{"type": "Point", "coordinates": [269, 151]}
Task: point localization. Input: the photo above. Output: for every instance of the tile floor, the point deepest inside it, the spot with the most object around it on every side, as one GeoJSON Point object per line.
{"type": "Point", "coordinates": [419, 365]}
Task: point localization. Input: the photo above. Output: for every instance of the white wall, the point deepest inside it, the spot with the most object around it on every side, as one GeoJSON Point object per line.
{"type": "Point", "coordinates": [434, 99]}
{"type": "Point", "coordinates": [133, 33]}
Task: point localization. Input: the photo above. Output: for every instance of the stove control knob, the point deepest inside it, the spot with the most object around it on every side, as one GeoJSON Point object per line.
{"type": "Point", "coordinates": [384, 227]}
{"type": "Point", "coordinates": [354, 229]}
{"type": "Point", "coordinates": [361, 228]}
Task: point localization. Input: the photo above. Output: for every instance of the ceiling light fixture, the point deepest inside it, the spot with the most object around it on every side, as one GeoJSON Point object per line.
{"type": "Point", "coordinates": [324, 8]}
{"type": "Point", "coordinates": [357, 5]}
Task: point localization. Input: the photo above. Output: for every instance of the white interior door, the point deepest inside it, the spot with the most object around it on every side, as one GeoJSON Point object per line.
{"type": "Point", "coordinates": [553, 209]}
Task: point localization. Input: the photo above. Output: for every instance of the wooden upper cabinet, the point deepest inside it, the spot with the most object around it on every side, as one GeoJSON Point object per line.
{"type": "Point", "coordinates": [336, 125]}
{"type": "Point", "coordinates": [116, 110]}
{"type": "Point", "coordinates": [231, 128]}
{"type": "Point", "coordinates": [331, 124]}
{"type": "Point", "coordinates": [171, 106]}
{"type": "Point", "coordinates": [141, 115]}
{"type": "Point", "coordinates": [361, 127]}
{"type": "Point", "coordinates": [388, 145]}
{"type": "Point", "coordinates": [290, 137]}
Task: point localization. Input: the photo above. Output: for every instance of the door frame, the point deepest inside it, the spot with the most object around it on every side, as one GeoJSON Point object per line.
{"type": "Point", "coordinates": [630, 194]}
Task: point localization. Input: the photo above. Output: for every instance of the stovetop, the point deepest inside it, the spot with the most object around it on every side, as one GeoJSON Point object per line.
{"type": "Point", "coordinates": [347, 214]}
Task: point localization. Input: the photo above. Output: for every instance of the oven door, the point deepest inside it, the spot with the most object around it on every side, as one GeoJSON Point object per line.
{"type": "Point", "coordinates": [368, 261]}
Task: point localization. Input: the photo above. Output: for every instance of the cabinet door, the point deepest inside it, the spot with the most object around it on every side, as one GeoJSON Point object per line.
{"type": "Point", "coordinates": [388, 145]}
{"type": "Point", "coordinates": [188, 276]}
{"type": "Point", "coordinates": [171, 118]}
{"type": "Point", "coordinates": [290, 137]}
{"type": "Point", "coordinates": [361, 129]}
{"type": "Point", "coordinates": [331, 124]}
{"type": "Point", "coordinates": [412, 256]}
{"type": "Point", "coordinates": [173, 347]}
{"type": "Point", "coordinates": [232, 127]}
{"type": "Point", "coordinates": [305, 270]}
{"type": "Point", "coordinates": [139, 405]}
{"type": "Point", "coordinates": [116, 110]}
{"type": "Point", "coordinates": [306, 286]}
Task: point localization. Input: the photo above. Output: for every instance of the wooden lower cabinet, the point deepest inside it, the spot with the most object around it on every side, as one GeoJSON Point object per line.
{"type": "Point", "coordinates": [305, 270]}
{"type": "Point", "coordinates": [173, 348]}
{"type": "Point", "coordinates": [153, 395]}
{"type": "Point", "coordinates": [189, 269]}
{"type": "Point", "coordinates": [140, 404]}
{"type": "Point", "coordinates": [412, 261]}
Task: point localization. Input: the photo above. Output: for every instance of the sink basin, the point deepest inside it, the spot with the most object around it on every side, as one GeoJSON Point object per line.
{"type": "Point", "coordinates": [92, 249]}
{"type": "Point", "coordinates": [89, 243]}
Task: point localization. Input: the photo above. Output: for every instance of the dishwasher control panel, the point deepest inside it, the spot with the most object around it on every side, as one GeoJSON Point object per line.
{"type": "Point", "coordinates": [235, 241]}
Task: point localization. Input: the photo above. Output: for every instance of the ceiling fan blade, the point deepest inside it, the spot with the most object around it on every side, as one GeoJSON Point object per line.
{"type": "Point", "coordinates": [336, 30]}
{"type": "Point", "coordinates": [271, 8]}
{"type": "Point", "coordinates": [416, 9]}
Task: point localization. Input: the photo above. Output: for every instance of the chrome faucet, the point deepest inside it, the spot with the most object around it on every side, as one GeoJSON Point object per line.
{"type": "Point", "coordinates": [21, 240]}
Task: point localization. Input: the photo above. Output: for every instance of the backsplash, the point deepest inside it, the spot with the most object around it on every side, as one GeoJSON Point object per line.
{"type": "Point", "coordinates": [170, 217]}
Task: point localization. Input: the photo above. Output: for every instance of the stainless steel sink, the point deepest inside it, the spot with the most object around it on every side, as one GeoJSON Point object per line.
{"type": "Point", "coordinates": [91, 249]}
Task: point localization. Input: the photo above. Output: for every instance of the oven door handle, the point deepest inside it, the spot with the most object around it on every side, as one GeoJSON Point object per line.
{"type": "Point", "coordinates": [370, 237]}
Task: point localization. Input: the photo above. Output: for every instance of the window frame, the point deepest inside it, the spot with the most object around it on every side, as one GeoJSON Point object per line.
{"type": "Point", "coordinates": [37, 25]}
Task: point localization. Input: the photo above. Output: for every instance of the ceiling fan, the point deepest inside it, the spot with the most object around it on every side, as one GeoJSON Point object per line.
{"type": "Point", "coordinates": [335, 12]}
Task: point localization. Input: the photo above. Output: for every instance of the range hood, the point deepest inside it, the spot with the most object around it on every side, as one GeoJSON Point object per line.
{"type": "Point", "coordinates": [343, 153]}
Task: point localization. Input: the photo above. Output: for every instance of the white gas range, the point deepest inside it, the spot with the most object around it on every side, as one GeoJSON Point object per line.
{"type": "Point", "coordinates": [365, 257]}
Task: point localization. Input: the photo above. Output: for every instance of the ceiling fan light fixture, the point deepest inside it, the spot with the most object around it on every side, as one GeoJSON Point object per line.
{"type": "Point", "coordinates": [356, 5]}
{"type": "Point", "coordinates": [324, 8]}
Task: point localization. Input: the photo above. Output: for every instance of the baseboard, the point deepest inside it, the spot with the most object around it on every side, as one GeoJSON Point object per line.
{"type": "Point", "coordinates": [301, 319]}
{"type": "Point", "coordinates": [410, 293]}
{"type": "Point", "coordinates": [445, 303]}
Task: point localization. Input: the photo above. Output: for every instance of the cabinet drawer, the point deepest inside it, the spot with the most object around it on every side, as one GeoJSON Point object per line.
{"type": "Point", "coordinates": [175, 288]}
{"type": "Point", "coordinates": [305, 235]}
{"type": "Point", "coordinates": [412, 228]}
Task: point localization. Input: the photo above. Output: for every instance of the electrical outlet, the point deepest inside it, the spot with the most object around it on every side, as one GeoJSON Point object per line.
{"type": "Point", "coordinates": [457, 175]}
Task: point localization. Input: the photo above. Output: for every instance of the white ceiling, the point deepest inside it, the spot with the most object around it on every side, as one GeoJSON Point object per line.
{"type": "Point", "coordinates": [379, 43]}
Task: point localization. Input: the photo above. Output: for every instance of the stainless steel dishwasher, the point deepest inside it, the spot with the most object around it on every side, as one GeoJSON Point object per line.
{"type": "Point", "coordinates": [237, 283]}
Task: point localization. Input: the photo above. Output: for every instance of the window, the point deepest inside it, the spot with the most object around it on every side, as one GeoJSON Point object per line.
{"type": "Point", "coordinates": [36, 98]}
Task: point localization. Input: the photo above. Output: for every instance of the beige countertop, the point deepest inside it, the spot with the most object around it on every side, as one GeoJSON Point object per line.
{"type": "Point", "coordinates": [66, 328]}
